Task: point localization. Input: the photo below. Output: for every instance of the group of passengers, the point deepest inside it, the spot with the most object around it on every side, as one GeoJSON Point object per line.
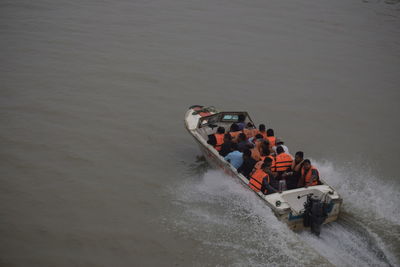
{"type": "Point", "coordinates": [263, 159]}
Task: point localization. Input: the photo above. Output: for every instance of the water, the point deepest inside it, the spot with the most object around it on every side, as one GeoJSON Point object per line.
{"type": "Point", "coordinates": [97, 169]}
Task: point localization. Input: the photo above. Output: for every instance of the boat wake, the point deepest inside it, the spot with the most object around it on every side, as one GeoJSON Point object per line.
{"type": "Point", "coordinates": [226, 218]}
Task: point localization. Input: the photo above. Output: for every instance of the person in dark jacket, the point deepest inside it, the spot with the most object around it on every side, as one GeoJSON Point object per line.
{"type": "Point", "coordinates": [248, 163]}
{"type": "Point", "coordinates": [226, 146]}
{"type": "Point", "coordinates": [243, 144]}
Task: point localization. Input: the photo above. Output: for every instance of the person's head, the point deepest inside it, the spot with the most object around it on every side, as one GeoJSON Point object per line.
{"type": "Point", "coordinates": [242, 137]}
{"type": "Point", "coordinates": [241, 118]}
{"type": "Point", "coordinates": [212, 140]}
{"type": "Point", "coordinates": [307, 164]}
{"type": "Point", "coordinates": [279, 142]}
{"type": "Point", "coordinates": [227, 137]}
{"type": "Point", "coordinates": [234, 147]}
{"type": "Point", "coordinates": [279, 150]}
{"type": "Point", "coordinates": [247, 153]}
{"type": "Point", "coordinates": [221, 130]}
{"type": "Point", "coordinates": [258, 136]}
{"type": "Point", "coordinates": [250, 125]}
{"type": "Point", "coordinates": [234, 127]}
{"type": "Point", "coordinates": [261, 127]}
{"type": "Point", "coordinates": [267, 163]}
{"type": "Point", "coordinates": [270, 132]}
{"type": "Point", "coordinates": [299, 156]}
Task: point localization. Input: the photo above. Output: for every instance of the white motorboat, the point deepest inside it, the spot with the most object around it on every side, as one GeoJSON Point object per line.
{"type": "Point", "coordinates": [301, 208]}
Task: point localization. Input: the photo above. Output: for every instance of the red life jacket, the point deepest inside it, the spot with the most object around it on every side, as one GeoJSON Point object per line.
{"type": "Point", "coordinates": [307, 176]}
{"type": "Point", "coordinates": [283, 162]}
{"type": "Point", "coordinates": [250, 132]}
{"type": "Point", "coordinates": [272, 141]}
{"type": "Point", "coordinates": [256, 180]}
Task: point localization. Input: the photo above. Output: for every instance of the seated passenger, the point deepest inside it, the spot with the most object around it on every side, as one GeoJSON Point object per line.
{"type": "Point", "coordinates": [243, 143]}
{"type": "Point", "coordinates": [235, 158]}
{"type": "Point", "coordinates": [226, 146]}
{"type": "Point", "coordinates": [283, 161]}
{"type": "Point", "coordinates": [256, 151]}
{"type": "Point", "coordinates": [265, 153]}
{"type": "Point", "coordinates": [234, 131]}
{"type": "Point", "coordinates": [279, 142]}
{"type": "Point", "coordinates": [271, 138]}
{"type": "Point", "coordinates": [219, 138]}
{"type": "Point", "coordinates": [309, 175]}
{"type": "Point", "coordinates": [261, 130]}
{"type": "Point", "coordinates": [248, 163]}
{"type": "Point", "coordinates": [292, 177]}
{"type": "Point", "coordinates": [260, 179]}
{"type": "Point", "coordinates": [250, 131]}
{"type": "Point", "coordinates": [257, 137]}
{"type": "Point", "coordinates": [241, 124]}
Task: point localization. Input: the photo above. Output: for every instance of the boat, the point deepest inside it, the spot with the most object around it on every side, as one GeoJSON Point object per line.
{"type": "Point", "coordinates": [306, 208]}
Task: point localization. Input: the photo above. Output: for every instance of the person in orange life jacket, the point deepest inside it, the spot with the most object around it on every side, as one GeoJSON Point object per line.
{"type": "Point", "coordinates": [309, 174]}
{"type": "Point", "coordinates": [248, 164]}
{"type": "Point", "coordinates": [271, 137]}
{"type": "Point", "coordinates": [227, 145]}
{"type": "Point", "coordinates": [292, 177]}
{"type": "Point", "coordinates": [241, 124]}
{"type": "Point", "coordinates": [260, 179]}
{"type": "Point", "coordinates": [243, 143]}
{"type": "Point", "coordinates": [234, 131]}
{"type": "Point", "coordinates": [261, 130]}
{"type": "Point", "coordinates": [250, 131]}
{"type": "Point", "coordinates": [266, 187]}
{"type": "Point", "coordinates": [283, 161]}
{"type": "Point", "coordinates": [217, 139]}
{"type": "Point", "coordinates": [256, 151]}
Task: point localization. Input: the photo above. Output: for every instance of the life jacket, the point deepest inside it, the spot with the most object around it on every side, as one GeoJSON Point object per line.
{"type": "Point", "coordinates": [283, 162]}
{"type": "Point", "coordinates": [235, 135]}
{"type": "Point", "coordinates": [261, 162]}
{"type": "Point", "coordinates": [220, 141]}
{"type": "Point", "coordinates": [272, 141]}
{"type": "Point", "coordinates": [256, 180]}
{"type": "Point", "coordinates": [250, 132]}
{"type": "Point", "coordinates": [264, 134]}
{"type": "Point", "coordinates": [307, 176]}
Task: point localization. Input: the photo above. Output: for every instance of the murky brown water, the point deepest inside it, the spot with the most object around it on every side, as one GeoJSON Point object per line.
{"type": "Point", "coordinates": [97, 169]}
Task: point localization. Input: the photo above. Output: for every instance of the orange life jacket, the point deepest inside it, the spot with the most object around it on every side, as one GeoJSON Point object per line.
{"type": "Point", "coordinates": [272, 141]}
{"type": "Point", "coordinates": [261, 162]}
{"type": "Point", "coordinates": [283, 162]}
{"type": "Point", "coordinates": [220, 141]}
{"type": "Point", "coordinates": [264, 134]}
{"type": "Point", "coordinates": [250, 132]}
{"type": "Point", "coordinates": [307, 176]}
{"type": "Point", "coordinates": [256, 180]}
{"type": "Point", "coordinates": [235, 135]}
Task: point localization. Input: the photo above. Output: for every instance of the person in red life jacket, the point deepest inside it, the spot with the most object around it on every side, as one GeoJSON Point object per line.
{"type": "Point", "coordinates": [217, 139]}
{"type": "Point", "coordinates": [226, 146]}
{"type": "Point", "coordinates": [250, 131]}
{"type": "Point", "coordinates": [260, 180]}
{"type": "Point", "coordinates": [271, 138]}
{"type": "Point", "coordinates": [256, 151]}
{"type": "Point", "coordinates": [234, 131]}
{"type": "Point", "coordinates": [261, 130]}
{"type": "Point", "coordinates": [248, 164]}
{"type": "Point", "coordinates": [292, 177]}
{"type": "Point", "coordinates": [309, 174]}
{"type": "Point", "coordinates": [283, 161]}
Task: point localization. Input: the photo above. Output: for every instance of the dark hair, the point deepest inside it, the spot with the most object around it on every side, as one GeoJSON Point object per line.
{"type": "Point", "coordinates": [265, 151]}
{"type": "Point", "coordinates": [212, 140]}
{"type": "Point", "coordinates": [258, 136]}
{"type": "Point", "coordinates": [267, 160]}
{"type": "Point", "coordinates": [247, 152]}
{"type": "Point", "coordinates": [221, 130]}
{"type": "Point", "coordinates": [234, 127]}
{"type": "Point", "coordinates": [228, 137]}
{"type": "Point", "coordinates": [250, 125]}
{"type": "Point", "coordinates": [241, 118]}
{"type": "Point", "coordinates": [261, 127]}
{"type": "Point", "coordinates": [242, 137]}
{"type": "Point", "coordinates": [234, 146]}
{"type": "Point", "coordinates": [270, 132]}
{"type": "Point", "coordinates": [307, 161]}
{"type": "Point", "coordinates": [300, 154]}
{"type": "Point", "coordinates": [279, 149]}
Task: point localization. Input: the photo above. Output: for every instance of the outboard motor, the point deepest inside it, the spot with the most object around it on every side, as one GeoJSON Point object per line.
{"type": "Point", "coordinates": [314, 213]}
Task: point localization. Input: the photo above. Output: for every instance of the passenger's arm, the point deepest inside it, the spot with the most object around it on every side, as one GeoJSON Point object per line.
{"type": "Point", "coordinates": [314, 177]}
{"type": "Point", "coordinates": [265, 186]}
